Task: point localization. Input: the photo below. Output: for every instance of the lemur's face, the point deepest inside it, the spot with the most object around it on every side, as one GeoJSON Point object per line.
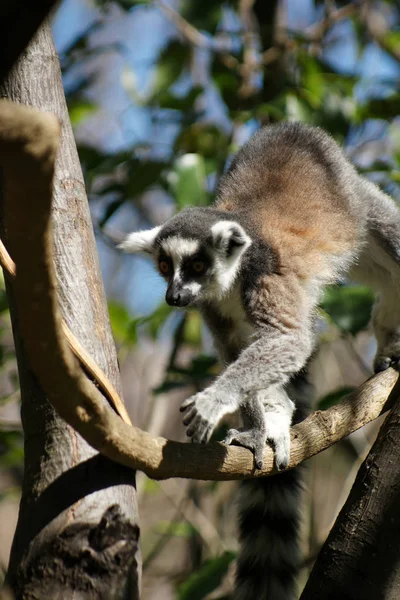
{"type": "Point", "coordinates": [198, 257]}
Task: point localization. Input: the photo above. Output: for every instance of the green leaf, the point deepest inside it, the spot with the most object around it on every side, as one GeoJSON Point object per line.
{"type": "Point", "coordinates": [79, 110]}
{"type": "Point", "coordinates": [170, 65]}
{"type": "Point", "coordinates": [11, 448]}
{"type": "Point", "coordinates": [192, 330]}
{"type": "Point", "coordinates": [188, 181]}
{"type": "Point", "coordinates": [120, 320]}
{"type": "Point", "coordinates": [334, 397]}
{"type": "Point", "coordinates": [177, 529]}
{"type": "Point", "coordinates": [206, 579]}
{"type": "Point", "coordinates": [202, 15]}
{"type": "Point", "coordinates": [205, 139]}
{"type": "Point", "coordinates": [392, 41]}
{"type": "Point", "coordinates": [142, 174]}
{"type": "Point", "coordinates": [227, 82]}
{"type": "Point", "coordinates": [297, 109]}
{"type": "Point", "coordinates": [157, 319]}
{"type": "Point", "coordinates": [381, 108]}
{"type": "Point", "coordinates": [349, 307]}
{"type": "Point", "coordinates": [182, 103]}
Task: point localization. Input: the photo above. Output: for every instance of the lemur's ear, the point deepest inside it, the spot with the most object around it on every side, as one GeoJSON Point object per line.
{"type": "Point", "coordinates": [229, 236]}
{"type": "Point", "coordinates": [141, 242]}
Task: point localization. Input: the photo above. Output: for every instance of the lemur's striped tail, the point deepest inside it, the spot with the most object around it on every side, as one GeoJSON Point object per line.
{"type": "Point", "coordinates": [269, 518]}
{"type": "Point", "coordinates": [269, 523]}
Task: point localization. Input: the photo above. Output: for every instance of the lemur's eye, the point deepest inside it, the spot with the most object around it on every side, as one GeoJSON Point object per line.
{"type": "Point", "coordinates": [164, 267]}
{"type": "Point", "coordinates": [198, 266]}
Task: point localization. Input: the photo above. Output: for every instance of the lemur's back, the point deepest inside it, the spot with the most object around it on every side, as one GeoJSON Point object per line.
{"type": "Point", "coordinates": [301, 189]}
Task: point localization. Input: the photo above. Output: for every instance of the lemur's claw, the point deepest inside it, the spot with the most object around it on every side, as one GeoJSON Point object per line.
{"type": "Point", "coordinates": [200, 417]}
{"type": "Point", "coordinates": [253, 440]}
{"type": "Point", "coordinates": [281, 447]}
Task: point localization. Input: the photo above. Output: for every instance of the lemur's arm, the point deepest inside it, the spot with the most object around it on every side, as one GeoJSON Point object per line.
{"type": "Point", "coordinates": [285, 340]}
{"type": "Point", "coordinates": [269, 361]}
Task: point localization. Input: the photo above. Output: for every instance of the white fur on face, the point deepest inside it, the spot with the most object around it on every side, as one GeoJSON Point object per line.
{"type": "Point", "coordinates": [177, 247]}
{"type": "Point", "coordinates": [193, 286]}
{"type": "Point", "coordinates": [227, 267]}
{"type": "Point", "coordinates": [141, 242]}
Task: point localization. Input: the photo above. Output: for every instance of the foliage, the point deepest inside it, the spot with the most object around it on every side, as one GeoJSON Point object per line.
{"type": "Point", "coordinates": [349, 307]}
{"type": "Point", "coordinates": [206, 579]}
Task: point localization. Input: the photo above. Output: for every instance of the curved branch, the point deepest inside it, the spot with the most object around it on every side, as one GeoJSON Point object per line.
{"type": "Point", "coordinates": [28, 145]}
{"type": "Point", "coordinates": [84, 358]}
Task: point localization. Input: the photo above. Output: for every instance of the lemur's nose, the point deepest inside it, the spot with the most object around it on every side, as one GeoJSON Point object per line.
{"type": "Point", "coordinates": [175, 297]}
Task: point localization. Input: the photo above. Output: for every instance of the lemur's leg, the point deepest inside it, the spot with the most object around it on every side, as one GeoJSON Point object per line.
{"type": "Point", "coordinates": [379, 267]}
{"type": "Point", "coordinates": [266, 416]}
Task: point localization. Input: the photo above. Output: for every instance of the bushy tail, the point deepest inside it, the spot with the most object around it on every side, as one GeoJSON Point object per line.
{"type": "Point", "coordinates": [269, 521]}
{"type": "Point", "coordinates": [268, 561]}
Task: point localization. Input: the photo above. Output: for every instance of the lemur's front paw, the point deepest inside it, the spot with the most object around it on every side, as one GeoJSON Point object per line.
{"type": "Point", "coordinates": [252, 439]}
{"type": "Point", "coordinates": [202, 412]}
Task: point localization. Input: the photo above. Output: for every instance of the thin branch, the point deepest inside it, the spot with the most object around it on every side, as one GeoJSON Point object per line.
{"type": "Point", "coordinates": [379, 34]}
{"type": "Point", "coordinates": [250, 69]}
{"type": "Point", "coordinates": [312, 35]}
{"type": "Point", "coordinates": [85, 359]}
{"type": "Point", "coordinates": [28, 146]}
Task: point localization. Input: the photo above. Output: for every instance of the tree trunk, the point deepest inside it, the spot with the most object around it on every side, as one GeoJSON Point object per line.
{"type": "Point", "coordinates": [361, 558]}
{"type": "Point", "coordinates": [77, 529]}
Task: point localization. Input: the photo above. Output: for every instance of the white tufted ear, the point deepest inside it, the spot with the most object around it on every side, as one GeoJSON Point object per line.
{"type": "Point", "coordinates": [229, 236]}
{"type": "Point", "coordinates": [141, 242]}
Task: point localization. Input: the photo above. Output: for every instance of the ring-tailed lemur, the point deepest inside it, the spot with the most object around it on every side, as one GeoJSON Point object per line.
{"type": "Point", "coordinates": [291, 215]}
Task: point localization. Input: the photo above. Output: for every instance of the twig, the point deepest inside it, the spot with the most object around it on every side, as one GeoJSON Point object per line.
{"type": "Point", "coordinates": [378, 36]}
{"type": "Point", "coordinates": [195, 517]}
{"type": "Point", "coordinates": [251, 50]}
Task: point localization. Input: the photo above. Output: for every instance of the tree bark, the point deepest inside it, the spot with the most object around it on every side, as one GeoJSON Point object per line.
{"type": "Point", "coordinates": [78, 509]}
{"type": "Point", "coordinates": [361, 557]}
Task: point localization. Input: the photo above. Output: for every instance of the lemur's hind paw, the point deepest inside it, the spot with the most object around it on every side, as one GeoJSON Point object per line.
{"type": "Point", "coordinates": [253, 439]}
{"type": "Point", "coordinates": [388, 357]}
{"type": "Point", "coordinates": [281, 446]}
{"type": "Point", "coordinates": [382, 362]}
{"type": "Point", "coordinates": [388, 353]}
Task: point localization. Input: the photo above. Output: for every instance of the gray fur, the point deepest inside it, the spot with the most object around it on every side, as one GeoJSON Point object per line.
{"type": "Point", "coordinates": [291, 215]}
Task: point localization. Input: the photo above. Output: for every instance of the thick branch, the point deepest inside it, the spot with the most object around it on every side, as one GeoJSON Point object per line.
{"type": "Point", "coordinates": [84, 358]}
{"type": "Point", "coordinates": [32, 138]}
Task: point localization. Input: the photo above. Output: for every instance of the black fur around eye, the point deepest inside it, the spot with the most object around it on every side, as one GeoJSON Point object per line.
{"type": "Point", "coordinates": [196, 266]}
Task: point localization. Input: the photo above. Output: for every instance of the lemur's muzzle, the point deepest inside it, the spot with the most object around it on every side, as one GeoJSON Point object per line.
{"type": "Point", "coordinates": [178, 296]}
